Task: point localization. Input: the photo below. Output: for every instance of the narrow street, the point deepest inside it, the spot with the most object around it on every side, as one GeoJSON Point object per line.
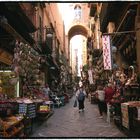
{"type": "Point", "coordinates": [68, 122]}
{"type": "Point", "coordinates": [48, 50]}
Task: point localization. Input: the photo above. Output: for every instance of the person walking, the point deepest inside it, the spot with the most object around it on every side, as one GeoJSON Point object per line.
{"type": "Point", "coordinates": [109, 92]}
{"type": "Point", "coordinates": [46, 90]}
{"type": "Point", "coordinates": [100, 94]}
{"type": "Point", "coordinates": [80, 95]}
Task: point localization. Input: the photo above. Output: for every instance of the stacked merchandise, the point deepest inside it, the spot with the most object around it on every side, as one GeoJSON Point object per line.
{"type": "Point", "coordinates": [31, 111]}
{"type": "Point", "coordinates": [11, 123]}
{"type": "Point", "coordinates": [22, 108]}
{"type": "Point", "coordinates": [12, 126]}
{"type": "Point", "coordinates": [7, 107]}
{"type": "Point", "coordinates": [28, 109]}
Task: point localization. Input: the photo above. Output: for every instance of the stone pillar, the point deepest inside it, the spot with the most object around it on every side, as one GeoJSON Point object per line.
{"type": "Point", "coordinates": [137, 28]}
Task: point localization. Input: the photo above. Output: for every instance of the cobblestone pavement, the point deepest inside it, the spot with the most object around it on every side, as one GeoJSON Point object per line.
{"type": "Point", "coordinates": [68, 122]}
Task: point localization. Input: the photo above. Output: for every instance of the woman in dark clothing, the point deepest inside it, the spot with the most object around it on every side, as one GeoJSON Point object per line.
{"type": "Point", "coordinates": [80, 95]}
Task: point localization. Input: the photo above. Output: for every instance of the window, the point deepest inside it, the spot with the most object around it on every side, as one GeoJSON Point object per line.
{"type": "Point", "coordinates": [77, 12]}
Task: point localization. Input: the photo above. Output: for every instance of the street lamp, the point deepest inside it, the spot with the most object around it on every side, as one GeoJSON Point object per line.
{"type": "Point", "coordinates": [52, 68]}
{"type": "Point", "coordinates": [49, 32]}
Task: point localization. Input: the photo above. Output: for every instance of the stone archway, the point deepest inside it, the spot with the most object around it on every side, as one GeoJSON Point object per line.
{"type": "Point", "coordinates": [77, 29]}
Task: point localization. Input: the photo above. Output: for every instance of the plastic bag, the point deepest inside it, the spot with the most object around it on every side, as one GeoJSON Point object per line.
{"type": "Point", "coordinates": [75, 103]}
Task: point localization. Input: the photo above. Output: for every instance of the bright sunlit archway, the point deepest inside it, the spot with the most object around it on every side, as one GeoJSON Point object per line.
{"type": "Point", "coordinates": [77, 33]}
{"type": "Point", "coordinates": [78, 53]}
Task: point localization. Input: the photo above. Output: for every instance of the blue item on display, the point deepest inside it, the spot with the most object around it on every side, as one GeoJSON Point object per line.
{"type": "Point", "coordinates": [28, 109]}
{"type": "Point", "coordinates": [22, 108]}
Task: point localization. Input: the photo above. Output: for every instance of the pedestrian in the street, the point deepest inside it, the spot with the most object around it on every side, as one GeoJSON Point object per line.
{"type": "Point", "coordinates": [46, 90]}
{"type": "Point", "coordinates": [100, 95]}
{"type": "Point", "coordinates": [109, 92]}
{"type": "Point", "coordinates": [80, 95]}
{"type": "Point", "coordinates": [74, 89]}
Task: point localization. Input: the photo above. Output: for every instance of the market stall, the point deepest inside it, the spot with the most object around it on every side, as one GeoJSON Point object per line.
{"type": "Point", "coordinates": [45, 110]}
{"type": "Point", "coordinates": [125, 101]}
{"type": "Point", "coordinates": [22, 100]}
{"type": "Point", "coordinates": [12, 126]}
{"type": "Point", "coordinates": [131, 117]}
{"type": "Point", "coordinates": [11, 122]}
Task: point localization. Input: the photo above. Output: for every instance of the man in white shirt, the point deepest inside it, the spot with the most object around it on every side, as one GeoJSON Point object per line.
{"type": "Point", "coordinates": [46, 90]}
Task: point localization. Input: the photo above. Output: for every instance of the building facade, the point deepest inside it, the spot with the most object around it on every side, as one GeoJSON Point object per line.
{"type": "Point", "coordinates": [79, 25]}
{"type": "Point", "coordinates": [123, 31]}
{"type": "Point", "coordinates": [35, 26]}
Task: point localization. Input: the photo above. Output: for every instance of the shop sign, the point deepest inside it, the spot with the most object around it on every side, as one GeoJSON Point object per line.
{"type": "Point", "coordinates": [107, 52]}
{"type": "Point", "coordinates": [125, 115]}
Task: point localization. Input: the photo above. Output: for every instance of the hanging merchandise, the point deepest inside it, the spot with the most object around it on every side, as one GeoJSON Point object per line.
{"type": "Point", "coordinates": [26, 65]}
{"type": "Point", "coordinates": [90, 76]}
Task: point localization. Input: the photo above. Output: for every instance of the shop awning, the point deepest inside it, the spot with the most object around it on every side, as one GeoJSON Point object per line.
{"type": "Point", "coordinates": [110, 12]}
{"type": "Point", "coordinates": [17, 22]}
{"type": "Point", "coordinates": [12, 31]}
{"type": "Point", "coordinates": [23, 14]}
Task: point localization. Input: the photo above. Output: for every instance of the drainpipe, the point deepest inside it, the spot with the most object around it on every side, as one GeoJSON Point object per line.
{"type": "Point", "coordinates": [137, 26]}
{"type": "Point", "coordinates": [98, 32]}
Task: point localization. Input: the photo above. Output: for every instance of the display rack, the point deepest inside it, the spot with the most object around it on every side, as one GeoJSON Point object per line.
{"type": "Point", "coordinates": [12, 127]}
{"type": "Point", "coordinates": [45, 110]}
{"type": "Point", "coordinates": [27, 109]}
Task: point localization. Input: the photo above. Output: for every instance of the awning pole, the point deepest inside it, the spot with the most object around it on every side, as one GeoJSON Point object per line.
{"type": "Point", "coordinates": [123, 32]}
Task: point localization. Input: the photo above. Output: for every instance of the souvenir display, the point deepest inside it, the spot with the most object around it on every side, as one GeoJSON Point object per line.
{"type": "Point", "coordinates": [12, 127]}
{"type": "Point", "coordinates": [29, 72]}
